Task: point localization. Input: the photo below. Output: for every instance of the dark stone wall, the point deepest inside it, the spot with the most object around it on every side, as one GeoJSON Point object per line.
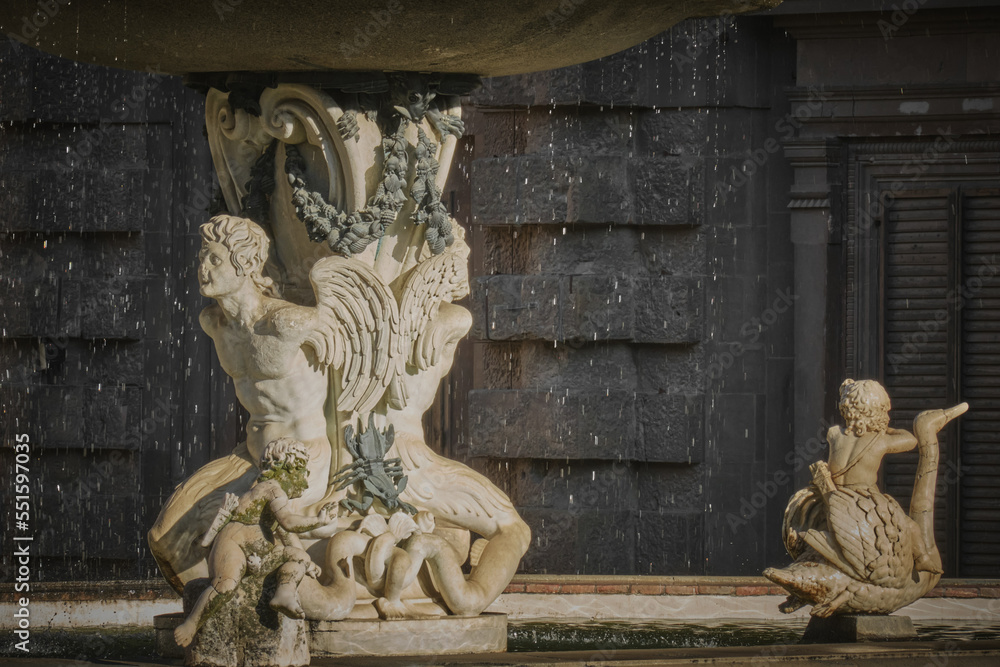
{"type": "Point", "coordinates": [633, 304]}
{"type": "Point", "coordinates": [102, 363]}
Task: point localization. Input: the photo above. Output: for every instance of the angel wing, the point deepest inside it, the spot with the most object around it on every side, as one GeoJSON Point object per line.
{"type": "Point", "coordinates": [357, 332]}
{"type": "Point", "coordinates": [443, 277]}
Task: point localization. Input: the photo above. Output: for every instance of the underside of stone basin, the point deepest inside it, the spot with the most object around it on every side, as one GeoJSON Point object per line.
{"type": "Point", "coordinates": [489, 38]}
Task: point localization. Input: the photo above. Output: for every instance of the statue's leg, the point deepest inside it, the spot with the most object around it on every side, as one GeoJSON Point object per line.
{"type": "Point", "coordinates": [227, 563]}
{"type": "Point", "coordinates": [402, 571]}
{"type": "Point", "coordinates": [286, 599]}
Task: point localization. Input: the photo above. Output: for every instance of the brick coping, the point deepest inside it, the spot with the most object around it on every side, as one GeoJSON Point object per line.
{"type": "Point", "coordinates": [536, 584]}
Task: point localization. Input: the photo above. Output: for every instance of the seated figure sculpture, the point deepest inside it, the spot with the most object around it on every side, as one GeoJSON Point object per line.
{"type": "Point", "coordinates": [855, 549]}
{"type": "Point", "coordinates": [260, 523]}
{"type": "Point", "coordinates": [342, 378]}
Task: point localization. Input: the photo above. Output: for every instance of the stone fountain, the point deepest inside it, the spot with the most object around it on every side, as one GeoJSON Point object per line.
{"type": "Point", "coordinates": [333, 268]}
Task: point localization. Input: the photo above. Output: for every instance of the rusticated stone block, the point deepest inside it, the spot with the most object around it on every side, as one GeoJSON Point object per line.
{"type": "Point", "coordinates": [550, 190]}
{"type": "Point", "coordinates": [112, 308]}
{"type": "Point", "coordinates": [59, 414]}
{"type": "Point", "coordinates": [591, 484]}
{"type": "Point", "coordinates": [668, 191]}
{"type": "Point", "coordinates": [669, 309]}
{"type": "Point", "coordinates": [669, 543]}
{"type": "Point", "coordinates": [606, 543]}
{"type": "Point", "coordinates": [85, 523]}
{"type": "Point", "coordinates": [553, 425]}
{"type": "Point", "coordinates": [30, 309]}
{"type": "Point", "coordinates": [517, 307]}
{"type": "Point", "coordinates": [597, 308]}
{"type": "Point", "coordinates": [553, 540]}
{"type": "Point", "coordinates": [671, 428]}
{"type": "Point", "coordinates": [670, 488]}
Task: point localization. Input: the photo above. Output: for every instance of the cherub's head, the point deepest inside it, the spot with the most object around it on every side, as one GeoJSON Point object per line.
{"type": "Point", "coordinates": [231, 248]}
{"type": "Point", "coordinates": [285, 460]}
{"type": "Point", "coordinates": [864, 405]}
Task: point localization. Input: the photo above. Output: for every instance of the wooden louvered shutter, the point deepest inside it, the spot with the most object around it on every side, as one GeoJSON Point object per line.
{"type": "Point", "coordinates": [919, 332]}
{"type": "Point", "coordinates": [979, 484]}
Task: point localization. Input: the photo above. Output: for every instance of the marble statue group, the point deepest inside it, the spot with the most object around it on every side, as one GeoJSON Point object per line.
{"type": "Point", "coordinates": [333, 506]}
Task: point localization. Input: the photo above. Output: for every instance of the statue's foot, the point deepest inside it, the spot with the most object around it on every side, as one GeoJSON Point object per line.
{"type": "Point", "coordinates": [392, 609]}
{"type": "Point", "coordinates": [792, 603]}
{"type": "Point", "coordinates": [826, 609]}
{"type": "Point", "coordinates": [925, 563]}
{"type": "Point", "coordinates": [184, 633]}
{"type": "Point", "coordinates": [286, 602]}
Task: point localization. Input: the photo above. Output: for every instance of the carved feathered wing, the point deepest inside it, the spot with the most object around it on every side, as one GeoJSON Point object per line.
{"type": "Point", "coordinates": [357, 331]}
{"type": "Point", "coordinates": [871, 531]}
{"type": "Point", "coordinates": [437, 279]}
{"type": "Point", "coordinates": [443, 277]}
{"type": "Point", "coordinates": [469, 493]}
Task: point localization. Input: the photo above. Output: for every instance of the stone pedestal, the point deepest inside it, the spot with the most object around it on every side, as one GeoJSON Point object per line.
{"type": "Point", "coordinates": [244, 631]}
{"type": "Point", "coordinates": [851, 628]}
{"type": "Point", "coordinates": [446, 635]}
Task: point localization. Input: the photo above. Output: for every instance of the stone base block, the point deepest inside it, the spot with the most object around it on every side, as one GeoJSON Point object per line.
{"type": "Point", "coordinates": [852, 628]}
{"type": "Point", "coordinates": [445, 635]}
{"type": "Point", "coordinates": [486, 633]}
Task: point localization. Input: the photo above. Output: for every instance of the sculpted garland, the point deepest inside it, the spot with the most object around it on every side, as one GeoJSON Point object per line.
{"type": "Point", "coordinates": [334, 496]}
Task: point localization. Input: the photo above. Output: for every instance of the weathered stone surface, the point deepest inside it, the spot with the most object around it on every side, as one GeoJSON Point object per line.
{"type": "Point", "coordinates": [669, 488]}
{"type": "Point", "coordinates": [448, 635]}
{"type": "Point", "coordinates": [553, 540]}
{"type": "Point", "coordinates": [591, 484]}
{"type": "Point", "coordinates": [669, 542]}
{"type": "Point", "coordinates": [588, 308]}
{"type": "Point", "coordinates": [75, 200]}
{"type": "Point", "coordinates": [485, 38]}
{"type": "Point", "coordinates": [246, 632]}
{"type": "Point", "coordinates": [668, 191]}
{"type": "Point", "coordinates": [597, 308]}
{"type": "Point", "coordinates": [595, 366]}
{"type": "Point", "coordinates": [517, 307]}
{"type": "Point", "coordinates": [112, 308]}
{"type": "Point", "coordinates": [79, 523]}
{"type": "Point", "coordinates": [671, 428]}
{"type": "Point", "coordinates": [551, 190]}
{"type": "Point", "coordinates": [669, 309]}
{"type": "Point", "coordinates": [563, 424]}
{"type": "Point", "coordinates": [606, 542]}
{"type": "Point", "coordinates": [30, 308]}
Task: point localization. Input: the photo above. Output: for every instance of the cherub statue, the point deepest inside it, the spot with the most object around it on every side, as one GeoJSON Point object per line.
{"type": "Point", "coordinates": [260, 522]}
{"type": "Point", "coordinates": [856, 550]}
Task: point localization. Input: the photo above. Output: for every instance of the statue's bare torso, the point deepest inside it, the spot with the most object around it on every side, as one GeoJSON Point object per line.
{"type": "Point", "coordinates": [277, 380]}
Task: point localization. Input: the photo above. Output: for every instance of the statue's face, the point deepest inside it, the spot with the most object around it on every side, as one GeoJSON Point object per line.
{"type": "Point", "coordinates": [216, 274]}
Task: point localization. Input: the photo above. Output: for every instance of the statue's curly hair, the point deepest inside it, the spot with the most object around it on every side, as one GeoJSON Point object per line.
{"type": "Point", "coordinates": [284, 453]}
{"type": "Point", "coordinates": [248, 247]}
{"type": "Point", "coordinates": [865, 406]}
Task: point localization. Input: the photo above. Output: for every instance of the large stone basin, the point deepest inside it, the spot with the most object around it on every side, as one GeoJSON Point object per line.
{"type": "Point", "coordinates": [484, 37]}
